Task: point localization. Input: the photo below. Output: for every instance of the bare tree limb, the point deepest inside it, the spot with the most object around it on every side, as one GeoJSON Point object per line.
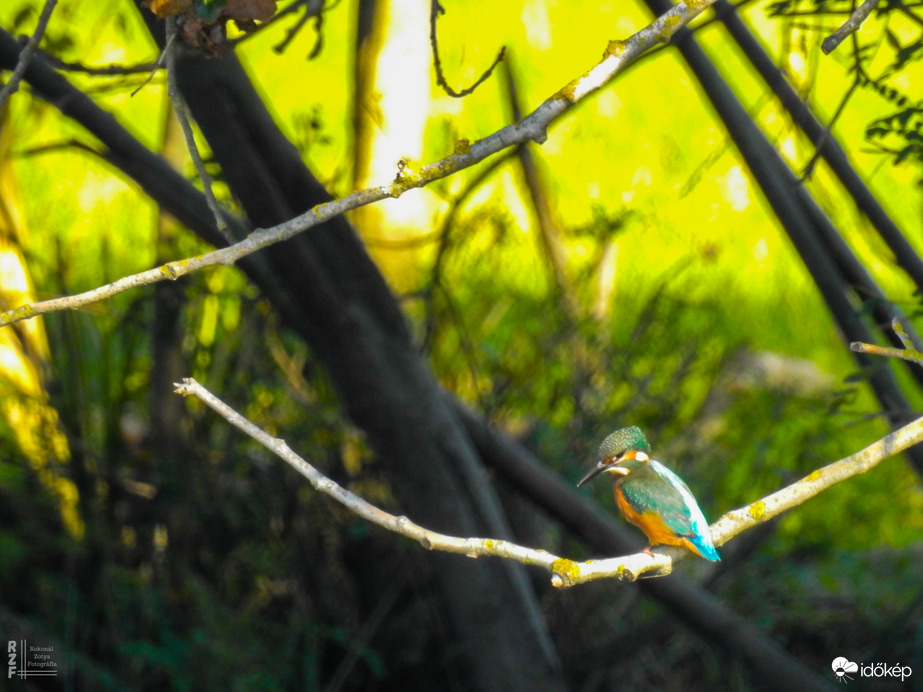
{"type": "Point", "coordinates": [435, 10]}
{"type": "Point", "coordinates": [910, 339]}
{"type": "Point", "coordinates": [564, 572]}
{"type": "Point", "coordinates": [772, 505]}
{"type": "Point", "coordinates": [312, 8]}
{"type": "Point", "coordinates": [11, 86]}
{"type": "Point", "coordinates": [859, 15]}
{"type": "Point", "coordinates": [617, 56]}
{"type": "Point", "coordinates": [179, 107]}
{"type": "Point", "coordinates": [910, 352]}
{"type": "Point", "coordinates": [98, 70]}
{"type": "Point", "coordinates": [549, 232]}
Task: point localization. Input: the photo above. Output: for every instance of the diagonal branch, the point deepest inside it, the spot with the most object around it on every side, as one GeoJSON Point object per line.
{"type": "Point", "coordinates": [435, 10]}
{"type": "Point", "coordinates": [797, 493]}
{"type": "Point", "coordinates": [910, 352]}
{"type": "Point", "coordinates": [859, 15]}
{"type": "Point", "coordinates": [26, 55]}
{"type": "Point", "coordinates": [179, 108]}
{"type": "Point", "coordinates": [565, 572]}
{"type": "Point", "coordinates": [617, 56]}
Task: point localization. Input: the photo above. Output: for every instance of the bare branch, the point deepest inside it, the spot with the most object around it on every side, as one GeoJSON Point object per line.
{"type": "Point", "coordinates": [564, 572]}
{"type": "Point", "coordinates": [99, 70]}
{"type": "Point", "coordinates": [161, 59]}
{"type": "Point", "coordinates": [816, 482]}
{"type": "Point", "coordinates": [26, 55]}
{"type": "Point", "coordinates": [617, 56]}
{"type": "Point", "coordinates": [435, 10]}
{"type": "Point", "coordinates": [910, 352]}
{"type": "Point", "coordinates": [910, 340]}
{"type": "Point", "coordinates": [179, 107]}
{"type": "Point", "coordinates": [849, 26]}
{"type": "Point", "coordinates": [472, 547]}
{"type": "Point", "coordinates": [312, 8]}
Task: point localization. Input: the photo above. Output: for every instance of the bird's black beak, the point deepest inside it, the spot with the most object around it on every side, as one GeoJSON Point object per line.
{"type": "Point", "coordinates": [610, 465]}
{"type": "Point", "coordinates": [595, 471]}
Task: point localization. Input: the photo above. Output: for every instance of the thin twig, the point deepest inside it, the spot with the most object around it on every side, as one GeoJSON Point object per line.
{"type": "Point", "coordinates": [910, 340]}
{"type": "Point", "coordinates": [565, 572]}
{"type": "Point", "coordinates": [179, 107]}
{"type": "Point", "coordinates": [99, 70]}
{"type": "Point", "coordinates": [911, 355]}
{"type": "Point", "coordinates": [472, 547]}
{"type": "Point", "coordinates": [26, 55]}
{"type": "Point", "coordinates": [549, 231]}
{"type": "Point", "coordinates": [910, 352]}
{"type": "Point", "coordinates": [435, 10]}
{"type": "Point", "coordinates": [292, 33]}
{"type": "Point", "coordinates": [827, 133]}
{"type": "Point", "coordinates": [314, 8]}
{"type": "Point", "coordinates": [171, 37]}
{"type": "Point", "coordinates": [534, 127]}
{"type": "Point", "coordinates": [849, 26]}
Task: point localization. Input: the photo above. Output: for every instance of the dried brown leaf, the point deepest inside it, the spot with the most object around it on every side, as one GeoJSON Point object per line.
{"type": "Point", "coordinates": [167, 8]}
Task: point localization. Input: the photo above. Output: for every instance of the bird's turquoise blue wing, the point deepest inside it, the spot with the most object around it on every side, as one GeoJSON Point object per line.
{"type": "Point", "coordinates": [655, 488]}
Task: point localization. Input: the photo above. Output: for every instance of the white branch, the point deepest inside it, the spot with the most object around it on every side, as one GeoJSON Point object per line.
{"type": "Point", "coordinates": [565, 572]}
{"type": "Point", "coordinates": [816, 482]}
{"type": "Point", "coordinates": [617, 56]}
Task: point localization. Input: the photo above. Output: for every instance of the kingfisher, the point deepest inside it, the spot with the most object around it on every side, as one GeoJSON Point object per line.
{"type": "Point", "coordinates": [651, 496]}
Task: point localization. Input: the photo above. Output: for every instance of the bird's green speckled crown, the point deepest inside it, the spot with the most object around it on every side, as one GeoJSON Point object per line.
{"type": "Point", "coordinates": [621, 441]}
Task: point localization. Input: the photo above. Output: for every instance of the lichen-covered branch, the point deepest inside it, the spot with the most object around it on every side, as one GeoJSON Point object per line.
{"type": "Point", "coordinates": [910, 352]}
{"type": "Point", "coordinates": [472, 547]}
{"type": "Point", "coordinates": [816, 482]}
{"type": "Point", "coordinates": [565, 572]}
{"type": "Point", "coordinates": [617, 56]}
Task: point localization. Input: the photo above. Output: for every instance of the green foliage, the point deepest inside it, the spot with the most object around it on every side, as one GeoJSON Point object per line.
{"type": "Point", "coordinates": [234, 574]}
{"type": "Point", "coordinates": [905, 127]}
{"type": "Point", "coordinates": [677, 358]}
{"type": "Point", "coordinates": [884, 59]}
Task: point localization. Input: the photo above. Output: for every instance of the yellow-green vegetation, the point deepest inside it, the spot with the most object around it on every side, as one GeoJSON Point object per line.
{"type": "Point", "coordinates": [679, 305]}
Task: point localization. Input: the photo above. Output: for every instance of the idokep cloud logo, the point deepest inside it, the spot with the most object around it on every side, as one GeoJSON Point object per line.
{"type": "Point", "coordinates": [842, 668]}
{"type": "Point", "coordinates": [846, 670]}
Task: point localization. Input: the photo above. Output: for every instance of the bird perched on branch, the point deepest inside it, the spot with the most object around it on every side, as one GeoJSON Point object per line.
{"type": "Point", "coordinates": [651, 496]}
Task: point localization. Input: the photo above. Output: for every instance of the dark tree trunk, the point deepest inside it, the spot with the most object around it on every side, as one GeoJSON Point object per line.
{"type": "Point", "coordinates": [837, 273]}
{"type": "Point", "coordinates": [337, 300]}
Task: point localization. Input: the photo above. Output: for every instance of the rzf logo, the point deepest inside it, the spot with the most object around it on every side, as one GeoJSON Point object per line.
{"type": "Point", "coordinates": [26, 661]}
{"type": "Point", "coordinates": [11, 656]}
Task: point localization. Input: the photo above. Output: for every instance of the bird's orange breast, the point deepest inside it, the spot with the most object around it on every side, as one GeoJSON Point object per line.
{"type": "Point", "coordinates": [652, 524]}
